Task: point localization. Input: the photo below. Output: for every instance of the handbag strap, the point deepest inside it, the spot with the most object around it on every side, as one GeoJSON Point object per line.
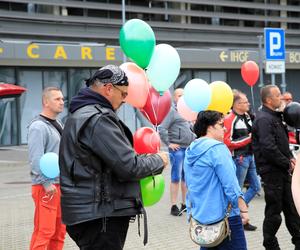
{"type": "Point", "coordinates": [228, 210]}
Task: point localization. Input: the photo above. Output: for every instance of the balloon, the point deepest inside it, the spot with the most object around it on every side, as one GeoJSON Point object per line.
{"type": "Point", "coordinates": [138, 84]}
{"type": "Point", "coordinates": [152, 189]}
{"type": "Point", "coordinates": [222, 97]}
{"type": "Point", "coordinates": [197, 94]}
{"type": "Point", "coordinates": [185, 111]}
{"type": "Point", "coordinates": [137, 41]}
{"type": "Point", "coordinates": [250, 72]}
{"type": "Point", "coordinates": [291, 114]}
{"type": "Point", "coordinates": [146, 141]}
{"type": "Point", "coordinates": [157, 106]}
{"type": "Point", "coordinates": [163, 68]}
{"type": "Point", "coordinates": [49, 165]}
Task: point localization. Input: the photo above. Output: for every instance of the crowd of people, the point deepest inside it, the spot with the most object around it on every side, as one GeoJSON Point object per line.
{"type": "Point", "coordinates": [97, 193]}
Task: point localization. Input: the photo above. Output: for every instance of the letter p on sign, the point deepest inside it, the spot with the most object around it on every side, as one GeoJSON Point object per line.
{"type": "Point", "coordinates": [274, 44]}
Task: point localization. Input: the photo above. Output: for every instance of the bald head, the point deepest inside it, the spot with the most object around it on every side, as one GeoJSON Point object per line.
{"type": "Point", "coordinates": [177, 94]}
{"type": "Point", "coordinates": [271, 96]}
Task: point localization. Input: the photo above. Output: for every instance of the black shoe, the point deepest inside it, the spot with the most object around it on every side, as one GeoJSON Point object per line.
{"type": "Point", "coordinates": [183, 208]}
{"type": "Point", "coordinates": [249, 227]}
{"type": "Point", "coordinates": [175, 211]}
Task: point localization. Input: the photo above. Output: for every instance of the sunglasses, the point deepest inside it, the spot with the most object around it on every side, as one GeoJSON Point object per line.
{"type": "Point", "coordinates": [123, 93]}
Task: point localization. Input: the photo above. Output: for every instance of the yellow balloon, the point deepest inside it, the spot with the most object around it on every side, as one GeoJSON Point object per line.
{"type": "Point", "coordinates": [221, 98]}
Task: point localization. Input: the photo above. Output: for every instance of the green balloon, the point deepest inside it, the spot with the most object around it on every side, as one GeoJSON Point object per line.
{"type": "Point", "coordinates": [152, 189]}
{"type": "Point", "coordinates": [137, 41]}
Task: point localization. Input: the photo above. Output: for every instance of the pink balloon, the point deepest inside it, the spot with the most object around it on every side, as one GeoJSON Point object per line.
{"type": "Point", "coordinates": [146, 141]}
{"type": "Point", "coordinates": [250, 72]}
{"type": "Point", "coordinates": [157, 107]}
{"type": "Point", "coordinates": [185, 111]}
{"type": "Point", "coordinates": [138, 84]}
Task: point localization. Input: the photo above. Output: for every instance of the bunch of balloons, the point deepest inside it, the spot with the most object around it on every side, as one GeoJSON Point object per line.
{"type": "Point", "coordinates": [146, 140]}
{"type": "Point", "coordinates": [199, 96]}
{"type": "Point", "coordinates": [218, 96]}
{"type": "Point", "coordinates": [154, 68]}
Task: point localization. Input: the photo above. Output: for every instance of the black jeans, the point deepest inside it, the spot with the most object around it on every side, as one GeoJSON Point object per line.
{"type": "Point", "coordinates": [278, 197]}
{"type": "Point", "coordinates": [100, 234]}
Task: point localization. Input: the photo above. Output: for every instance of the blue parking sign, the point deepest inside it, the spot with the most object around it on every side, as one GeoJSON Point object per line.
{"type": "Point", "coordinates": [274, 44]}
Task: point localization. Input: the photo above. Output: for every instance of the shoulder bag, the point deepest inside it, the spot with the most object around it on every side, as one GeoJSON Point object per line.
{"type": "Point", "coordinates": [210, 235]}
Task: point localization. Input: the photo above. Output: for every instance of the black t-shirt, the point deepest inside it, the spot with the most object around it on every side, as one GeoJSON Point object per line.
{"type": "Point", "coordinates": [54, 123]}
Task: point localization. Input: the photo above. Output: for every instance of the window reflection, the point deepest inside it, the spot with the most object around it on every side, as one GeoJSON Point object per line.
{"type": "Point", "coordinates": [8, 113]}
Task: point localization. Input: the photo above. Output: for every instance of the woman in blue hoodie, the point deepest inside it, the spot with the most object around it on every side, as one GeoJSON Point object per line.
{"type": "Point", "coordinates": [211, 180]}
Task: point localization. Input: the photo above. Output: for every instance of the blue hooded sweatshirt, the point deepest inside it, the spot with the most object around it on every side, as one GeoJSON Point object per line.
{"type": "Point", "coordinates": [210, 176]}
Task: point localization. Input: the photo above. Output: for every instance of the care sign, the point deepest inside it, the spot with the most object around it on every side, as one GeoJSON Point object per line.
{"type": "Point", "coordinates": [275, 50]}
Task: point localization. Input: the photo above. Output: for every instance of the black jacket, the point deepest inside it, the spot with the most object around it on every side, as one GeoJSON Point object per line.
{"type": "Point", "coordinates": [99, 170]}
{"type": "Point", "coordinates": [270, 142]}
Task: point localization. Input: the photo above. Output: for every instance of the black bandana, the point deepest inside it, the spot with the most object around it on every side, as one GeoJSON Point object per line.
{"type": "Point", "coordinates": [109, 74]}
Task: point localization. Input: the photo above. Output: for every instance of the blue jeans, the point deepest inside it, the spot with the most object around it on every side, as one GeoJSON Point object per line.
{"type": "Point", "coordinates": [176, 159]}
{"type": "Point", "coordinates": [245, 168]}
{"type": "Point", "coordinates": [237, 239]}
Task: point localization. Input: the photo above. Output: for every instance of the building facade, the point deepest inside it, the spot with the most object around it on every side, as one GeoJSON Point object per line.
{"type": "Point", "coordinates": [60, 43]}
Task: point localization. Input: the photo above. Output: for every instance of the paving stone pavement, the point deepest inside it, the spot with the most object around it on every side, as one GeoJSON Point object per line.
{"type": "Point", "coordinates": [165, 231]}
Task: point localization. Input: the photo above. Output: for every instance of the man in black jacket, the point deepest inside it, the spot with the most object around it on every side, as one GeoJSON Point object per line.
{"type": "Point", "coordinates": [275, 164]}
{"type": "Point", "coordinates": [99, 170]}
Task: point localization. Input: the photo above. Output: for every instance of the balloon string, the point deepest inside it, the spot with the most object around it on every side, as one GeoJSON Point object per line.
{"type": "Point", "coordinates": [252, 99]}
{"type": "Point", "coordinates": [144, 111]}
{"type": "Point", "coordinates": [153, 181]}
{"type": "Point", "coordinates": [153, 110]}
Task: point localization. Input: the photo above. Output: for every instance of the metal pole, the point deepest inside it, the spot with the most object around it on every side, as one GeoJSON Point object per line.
{"type": "Point", "coordinates": [273, 79]}
{"type": "Point", "coordinates": [123, 22]}
{"type": "Point", "coordinates": [125, 106]}
{"type": "Point", "coordinates": [260, 62]}
{"type": "Point", "coordinates": [283, 83]}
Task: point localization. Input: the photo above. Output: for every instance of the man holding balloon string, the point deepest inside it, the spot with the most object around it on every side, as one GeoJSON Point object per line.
{"type": "Point", "coordinates": [99, 169]}
{"type": "Point", "coordinates": [177, 134]}
{"type": "Point", "coordinates": [44, 133]}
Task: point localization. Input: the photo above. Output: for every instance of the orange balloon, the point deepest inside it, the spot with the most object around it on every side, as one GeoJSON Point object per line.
{"type": "Point", "coordinates": [138, 84]}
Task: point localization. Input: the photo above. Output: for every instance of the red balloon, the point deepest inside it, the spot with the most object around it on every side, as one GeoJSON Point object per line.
{"type": "Point", "coordinates": [146, 141]}
{"type": "Point", "coordinates": [157, 106]}
{"type": "Point", "coordinates": [250, 72]}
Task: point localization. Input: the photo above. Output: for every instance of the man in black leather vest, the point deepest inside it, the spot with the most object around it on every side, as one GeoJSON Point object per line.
{"type": "Point", "coordinates": [275, 164]}
{"type": "Point", "coordinates": [99, 169]}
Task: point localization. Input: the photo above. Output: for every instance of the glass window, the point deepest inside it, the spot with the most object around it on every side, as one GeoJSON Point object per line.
{"type": "Point", "coordinates": [77, 80]}
{"type": "Point", "coordinates": [8, 111]}
{"type": "Point", "coordinates": [204, 75]}
{"type": "Point", "coordinates": [31, 100]}
{"type": "Point", "coordinates": [211, 76]}
{"type": "Point", "coordinates": [218, 76]}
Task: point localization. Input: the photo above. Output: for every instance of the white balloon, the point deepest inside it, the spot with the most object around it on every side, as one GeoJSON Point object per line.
{"type": "Point", "coordinates": [164, 67]}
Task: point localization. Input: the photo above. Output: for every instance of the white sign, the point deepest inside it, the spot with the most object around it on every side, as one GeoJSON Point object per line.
{"type": "Point", "coordinates": [274, 67]}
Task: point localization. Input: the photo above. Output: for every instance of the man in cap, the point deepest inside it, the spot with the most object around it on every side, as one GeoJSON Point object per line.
{"type": "Point", "coordinates": [99, 169]}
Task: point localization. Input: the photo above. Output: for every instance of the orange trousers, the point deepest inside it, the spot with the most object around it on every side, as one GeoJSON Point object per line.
{"type": "Point", "coordinates": [49, 232]}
